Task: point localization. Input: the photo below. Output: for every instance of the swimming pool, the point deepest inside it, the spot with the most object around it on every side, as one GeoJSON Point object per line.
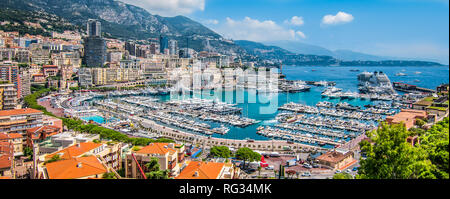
{"type": "Point", "coordinates": [99, 119]}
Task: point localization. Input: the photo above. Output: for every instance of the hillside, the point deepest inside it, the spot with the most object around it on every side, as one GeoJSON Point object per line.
{"type": "Point", "coordinates": [33, 23]}
{"type": "Point", "coordinates": [126, 21]}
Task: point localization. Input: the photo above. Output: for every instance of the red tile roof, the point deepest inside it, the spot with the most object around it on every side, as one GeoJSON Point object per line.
{"type": "Point", "coordinates": [201, 170]}
{"type": "Point", "coordinates": [8, 136]}
{"type": "Point", "coordinates": [75, 168]}
{"type": "Point", "coordinates": [74, 150]}
{"type": "Point", "coordinates": [156, 148]}
{"type": "Point", "coordinates": [19, 112]}
{"type": "Point", "coordinates": [37, 131]}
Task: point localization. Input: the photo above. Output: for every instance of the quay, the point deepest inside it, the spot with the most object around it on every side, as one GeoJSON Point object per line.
{"type": "Point", "coordinates": [270, 145]}
{"type": "Point", "coordinates": [411, 88]}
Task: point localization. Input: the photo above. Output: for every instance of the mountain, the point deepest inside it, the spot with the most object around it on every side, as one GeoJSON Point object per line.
{"type": "Point", "coordinates": [276, 54]}
{"type": "Point", "coordinates": [124, 21]}
{"type": "Point", "coordinates": [345, 55]}
{"type": "Point", "coordinates": [34, 23]}
{"type": "Point", "coordinates": [337, 58]}
{"type": "Point", "coordinates": [301, 48]}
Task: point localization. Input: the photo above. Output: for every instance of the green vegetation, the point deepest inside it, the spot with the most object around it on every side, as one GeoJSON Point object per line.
{"type": "Point", "coordinates": [247, 154]}
{"type": "Point", "coordinates": [31, 101]}
{"type": "Point", "coordinates": [438, 108]}
{"type": "Point", "coordinates": [154, 170]}
{"type": "Point", "coordinates": [28, 152]}
{"type": "Point", "coordinates": [78, 125]}
{"type": "Point", "coordinates": [109, 176]}
{"type": "Point", "coordinates": [46, 23]}
{"type": "Point", "coordinates": [342, 176]}
{"type": "Point", "coordinates": [435, 143]}
{"type": "Point", "coordinates": [390, 156]}
{"type": "Point", "coordinates": [220, 151]}
{"type": "Point", "coordinates": [55, 158]}
{"type": "Point", "coordinates": [109, 134]}
{"type": "Point", "coordinates": [420, 123]}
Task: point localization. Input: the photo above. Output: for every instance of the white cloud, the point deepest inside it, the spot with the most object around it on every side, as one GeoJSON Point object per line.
{"type": "Point", "coordinates": [169, 7]}
{"type": "Point", "coordinates": [301, 34]}
{"type": "Point", "coordinates": [295, 20]}
{"type": "Point", "coordinates": [339, 18]}
{"type": "Point", "coordinates": [211, 22]}
{"type": "Point", "coordinates": [255, 30]}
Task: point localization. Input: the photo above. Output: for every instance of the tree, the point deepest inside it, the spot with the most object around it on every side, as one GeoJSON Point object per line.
{"type": "Point", "coordinates": [390, 156]}
{"type": "Point", "coordinates": [342, 176]}
{"type": "Point", "coordinates": [220, 151]}
{"type": "Point", "coordinates": [154, 170]}
{"type": "Point", "coordinates": [247, 154]}
{"type": "Point", "coordinates": [420, 123]}
{"type": "Point", "coordinates": [290, 173]}
{"type": "Point", "coordinates": [109, 175]}
{"type": "Point", "coordinates": [435, 143]}
{"type": "Point", "coordinates": [27, 151]}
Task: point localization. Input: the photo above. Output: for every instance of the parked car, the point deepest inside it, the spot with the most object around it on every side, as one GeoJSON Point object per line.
{"type": "Point", "coordinates": [306, 174]}
{"type": "Point", "coordinates": [307, 166]}
{"type": "Point", "coordinates": [348, 171]}
{"type": "Point", "coordinates": [338, 171]}
{"type": "Point", "coordinates": [269, 168]}
{"type": "Point", "coordinates": [355, 169]}
{"type": "Point", "coordinates": [316, 166]}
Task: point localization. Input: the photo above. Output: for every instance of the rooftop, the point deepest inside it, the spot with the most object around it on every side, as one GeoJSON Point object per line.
{"type": "Point", "coordinates": [23, 111]}
{"type": "Point", "coordinates": [7, 136]}
{"type": "Point", "coordinates": [334, 156]}
{"type": "Point", "coordinates": [74, 150]}
{"type": "Point", "coordinates": [201, 170]}
{"type": "Point", "coordinates": [75, 168]}
{"type": "Point", "coordinates": [156, 148]}
{"type": "Point", "coordinates": [407, 116]}
{"type": "Point", "coordinates": [424, 103]}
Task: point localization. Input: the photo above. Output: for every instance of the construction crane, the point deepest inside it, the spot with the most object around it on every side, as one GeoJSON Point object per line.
{"type": "Point", "coordinates": [140, 168]}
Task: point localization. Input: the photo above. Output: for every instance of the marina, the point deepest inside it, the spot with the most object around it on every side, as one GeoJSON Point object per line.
{"type": "Point", "coordinates": [298, 116]}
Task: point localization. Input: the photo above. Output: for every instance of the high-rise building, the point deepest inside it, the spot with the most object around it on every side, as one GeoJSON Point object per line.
{"type": "Point", "coordinates": [9, 71]}
{"type": "Point", "coordinates": [163, 44]}
{"type": "Point", "coordinates": [94, 28]}
{"type": "Point", "coordinates": [25, 79]}
{"type": "Point", "coordinates": [94, 46]}
{"type": "Point", "coordinates": [173, 47]}
{"type": "Point", "coordinates": [130, 47]}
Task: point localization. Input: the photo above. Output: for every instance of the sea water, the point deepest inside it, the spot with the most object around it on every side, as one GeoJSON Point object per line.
{"type": "Point", "coordinates": [256, 105]}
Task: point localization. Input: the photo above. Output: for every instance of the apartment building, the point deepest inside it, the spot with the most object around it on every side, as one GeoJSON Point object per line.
{"type": "Point", "coordinates": [8, 96]}
{"type": "Point", "coordinates": [108, 152]}
{"type": "Point", "coordinates": [25, 79]}
{"type": "Point", "coordinates": [105, 76]}
{"type": "Point", "coordinates": [50, 70]}
{"type": "Point", "coordinates": [6, 160]}
{"type": "Point", "coordinates": [16, 139]}
{"type": "Point", "coordinates": [19, 120]}
{"type": "Point", "coordinates": [9, 71]}
{"type": "Point", "coordinates": [170, 157]}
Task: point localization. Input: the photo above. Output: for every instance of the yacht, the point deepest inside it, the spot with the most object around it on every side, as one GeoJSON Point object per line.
{"type": "Point", "coordinates": [400, 74]}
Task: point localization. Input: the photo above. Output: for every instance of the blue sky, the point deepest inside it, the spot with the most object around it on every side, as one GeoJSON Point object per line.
{"type": "Point", "coordinates": [397, 28]}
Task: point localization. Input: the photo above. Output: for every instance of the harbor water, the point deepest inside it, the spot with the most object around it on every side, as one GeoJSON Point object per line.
{"type": "Point", "coordinates": [263, 107]}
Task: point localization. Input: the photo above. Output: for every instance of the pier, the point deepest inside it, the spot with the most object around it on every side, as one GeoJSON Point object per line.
{"type": "Point", "coordinates": [411, 88]}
